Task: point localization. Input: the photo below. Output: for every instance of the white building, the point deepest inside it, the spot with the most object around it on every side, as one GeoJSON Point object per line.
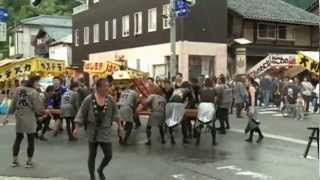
{"type": "Point", "coordinates": [32, 36]}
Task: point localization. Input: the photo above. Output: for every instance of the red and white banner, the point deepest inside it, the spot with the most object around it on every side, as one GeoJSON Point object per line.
{"type": "Point", "coordinates": [272, 61]}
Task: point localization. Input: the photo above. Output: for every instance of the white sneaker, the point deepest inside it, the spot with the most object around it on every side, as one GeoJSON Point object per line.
{"type": "Point", "coordinates": [29, 164]}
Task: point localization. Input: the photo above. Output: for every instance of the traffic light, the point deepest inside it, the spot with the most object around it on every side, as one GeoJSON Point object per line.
{"type": "Point", "coordinates": [190, 2]}
{"type": "Point", "coordinates": [35, 2]}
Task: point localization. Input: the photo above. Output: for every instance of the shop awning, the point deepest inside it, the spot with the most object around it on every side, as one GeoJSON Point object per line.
{"type": "Point", "coordinates": [12, 69]}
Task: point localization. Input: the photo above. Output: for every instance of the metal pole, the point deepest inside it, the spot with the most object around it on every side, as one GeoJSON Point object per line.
{"type": "Point", "coordinates": [173, 60]}
{"type": "Point", "coordinates": [318, 83]}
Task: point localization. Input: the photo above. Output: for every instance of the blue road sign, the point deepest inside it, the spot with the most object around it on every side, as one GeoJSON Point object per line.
{"type": "Point", "coordinates": [3, 14]}
{"type": "Point", "coordinates": [182, 8]}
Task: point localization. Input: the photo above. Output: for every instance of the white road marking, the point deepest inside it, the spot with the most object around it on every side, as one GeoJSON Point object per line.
{"type": "Point", "coordinates": [254, 175]}
{"type": "Point", "coordinates": [277, 137]}
{"type": "Point", "coordinates": [241, 172]}
{"type": "Point", "coordinates": [29, 178]}
{"type": "Point", "coordinates": [311, 158]}
{"type": "Point", "coordinates": [234, 168]}
{"type": "Point", "coordinates": [9, 124]}
{"type": "Point", "coordinates": [268, 112]}
{"type": "Point", "coordinates": [179, 176]}
{"type": "Point", "coordinates": [277, 115]}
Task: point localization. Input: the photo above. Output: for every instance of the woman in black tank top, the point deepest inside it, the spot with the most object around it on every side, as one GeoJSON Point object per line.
{"type": "Point", "coordinates": [253, 123]}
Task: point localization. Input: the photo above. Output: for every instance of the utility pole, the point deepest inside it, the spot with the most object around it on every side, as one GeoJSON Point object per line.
{"type": "Point", "coordinates": [173, 39]}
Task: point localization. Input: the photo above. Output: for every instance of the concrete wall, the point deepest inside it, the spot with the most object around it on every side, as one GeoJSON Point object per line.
{"type": "Point", "coordinates": [248, 31]}
{"type": "Point", "coordinates": [61, 52]}
{"type": "Point", "coordinates": [155, 55]}
{"type": "Point", "coordinates": [302, 36]}
{"type": "Point", "coordinates": [23, 40]}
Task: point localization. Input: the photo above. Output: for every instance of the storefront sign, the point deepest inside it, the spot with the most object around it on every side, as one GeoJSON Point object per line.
{"type": "Point", "coordinates": [241, 61]}
{"type": "Point", "coordinates": [51, 66]}
{"type": "Point", "coordinates": [100, 67]}
{"type": "Point", "coordinates": [308, 63]}
{"type": "Point", "coordinates": [28, 66]}
{"type": "Point", "coordinates": [272, 61]}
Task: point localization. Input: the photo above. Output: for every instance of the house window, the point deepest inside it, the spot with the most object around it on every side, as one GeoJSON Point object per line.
{"type": "Point", "coordinates": [125, 26]}
{"type": "Point", "coordinates": [267, 31]}
{"type": "Point", "coordinates": [152, 20]}
{"type": "Point", "coordinates": [86, 32]}
{"type": "Point", "coordinates": [76, 37]}
{"type": "Point", "coordinates": [114, 28]}
{"type": "Point", "coordinates": [96, 33]}
{"type": "Point", "coordinates": [106, 30]}
{"type": "Point", "coordinates": [286, 32]}
{"type": "Point", "coordinates": [138, 23]}
{"type": "Point", "coordinates": [166, 14]}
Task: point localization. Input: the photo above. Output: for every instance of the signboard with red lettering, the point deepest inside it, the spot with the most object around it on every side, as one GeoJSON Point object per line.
{"type": "Point", "coordinates": [100, 67]}
{"type": "Point", "coordinates": [272, 61]}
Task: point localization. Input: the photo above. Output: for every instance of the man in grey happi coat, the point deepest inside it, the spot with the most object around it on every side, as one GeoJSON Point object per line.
{"type": "Point", "coordinates": [69, 108]}
{"type": "Point", "coordinates": [25, 106]}
{"type": "Point", "coordinates": [128, 103]}
{"type": "Point", "coordinates": [157, 103]}
{"type": "Point", "coordinates": [98, 111]}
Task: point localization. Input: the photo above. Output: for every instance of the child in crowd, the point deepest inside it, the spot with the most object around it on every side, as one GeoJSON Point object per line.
{"type": "Point", "coordinates": [300, 107]}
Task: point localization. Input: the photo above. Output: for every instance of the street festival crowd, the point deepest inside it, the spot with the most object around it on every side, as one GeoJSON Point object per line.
{"type": "Point", "coordinates": [96, 108]}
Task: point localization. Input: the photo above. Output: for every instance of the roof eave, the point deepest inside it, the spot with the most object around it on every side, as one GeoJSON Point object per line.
{"type": "Point", "coordinates": [282, 21]}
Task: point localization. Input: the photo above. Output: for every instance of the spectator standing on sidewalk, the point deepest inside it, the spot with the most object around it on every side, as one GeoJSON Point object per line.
{"type": "Point", "coordinates": [253, 123]}
{"type": "Point", "coordinates": [307, 89]}
{"type": "Point", "coordinates": [239, 94]}
{"type": "Point", "coordinates": [223, 102]}
{"type": "Point", "coordinates": [266, 89]}
{"type": "Point", "coordinates": [317, 99]}
{"type": "Point", "coordinates": [300, 107]}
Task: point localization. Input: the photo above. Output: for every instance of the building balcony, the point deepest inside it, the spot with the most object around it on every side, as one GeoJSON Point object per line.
{"type": "Point", "coordinates": [80, 8]}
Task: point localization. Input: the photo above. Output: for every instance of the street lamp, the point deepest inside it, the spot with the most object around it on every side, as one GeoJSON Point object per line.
{"type": "Point", "coordinates": [242, 41]}
{"type": "Point", "coordinates": [35, 3]}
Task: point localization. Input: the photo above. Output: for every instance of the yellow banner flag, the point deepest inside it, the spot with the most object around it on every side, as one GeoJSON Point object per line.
{"type": "Point", "coordinates": [308, 63]}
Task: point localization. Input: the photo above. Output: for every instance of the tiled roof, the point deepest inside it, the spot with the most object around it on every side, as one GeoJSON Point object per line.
{"type": "Point", "coordinates": [304, 4]}
{"type": "Point", "coordinates": [57, 33]}
{"type": "Point", "coordinates": [48, 20]}
{"type": "Point", "coordinates": [272, 10]}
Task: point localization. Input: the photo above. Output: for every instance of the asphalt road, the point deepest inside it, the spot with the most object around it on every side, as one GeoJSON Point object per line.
{"type": "Point", "coordinates": [279, 157]}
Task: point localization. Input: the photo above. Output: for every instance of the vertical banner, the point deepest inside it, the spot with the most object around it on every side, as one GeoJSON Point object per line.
{"type": "Point", "coordinates": [241, 61]}
{"type": "Point", "coordinates": [3, 32]}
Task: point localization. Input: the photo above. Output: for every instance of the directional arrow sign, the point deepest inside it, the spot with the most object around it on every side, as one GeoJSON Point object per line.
{"type": "Point", "coordinates": [182, 8]}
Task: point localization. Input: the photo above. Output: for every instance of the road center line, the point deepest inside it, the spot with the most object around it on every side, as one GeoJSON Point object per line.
{"type": "Point", "coordinates": [277, 137]}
